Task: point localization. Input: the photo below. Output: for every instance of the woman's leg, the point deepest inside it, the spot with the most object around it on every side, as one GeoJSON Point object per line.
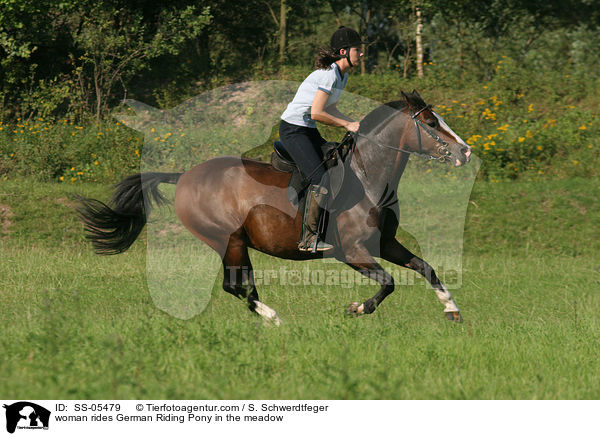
{"type": "Point", "coordinates": [304, 145]}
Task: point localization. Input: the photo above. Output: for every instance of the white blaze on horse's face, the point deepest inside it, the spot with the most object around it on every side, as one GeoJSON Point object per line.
{"type": "Point", "coordinates": [448, 131]}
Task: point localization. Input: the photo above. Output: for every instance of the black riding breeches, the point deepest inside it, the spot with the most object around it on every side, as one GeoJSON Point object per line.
{"type": "Point", "coordinates": [304, 145]}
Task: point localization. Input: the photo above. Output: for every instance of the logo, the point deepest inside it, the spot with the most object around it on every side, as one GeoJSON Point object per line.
{"type": "Point", "coordinates": [26, 415]}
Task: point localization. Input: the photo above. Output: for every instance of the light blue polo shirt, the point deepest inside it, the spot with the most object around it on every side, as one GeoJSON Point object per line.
{"type": "Point", "coordinates": [329, 81]}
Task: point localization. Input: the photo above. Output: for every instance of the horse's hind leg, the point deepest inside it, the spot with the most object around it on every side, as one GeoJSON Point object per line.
{"type": "Point", "coordinates": [393, 251]}
{"type": "Point", "coordinates": [238, 278]}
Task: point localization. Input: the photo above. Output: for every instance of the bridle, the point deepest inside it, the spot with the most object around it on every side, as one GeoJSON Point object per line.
{"type": "Point", "coordinates": [442, 148]}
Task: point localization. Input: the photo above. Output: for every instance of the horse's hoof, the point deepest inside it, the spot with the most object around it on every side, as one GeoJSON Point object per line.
{"type": "Point", "coordinates": [355, 309]}
{"type": "Point", "coordinates": [272, 322]}
{"type": "Point", "coordinates": [454, 316]}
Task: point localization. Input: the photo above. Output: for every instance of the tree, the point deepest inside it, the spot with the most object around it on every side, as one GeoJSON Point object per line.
{"type": "Point", "coordinates": [116, 45]}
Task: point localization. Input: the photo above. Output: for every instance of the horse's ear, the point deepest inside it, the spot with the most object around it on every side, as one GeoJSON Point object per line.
{"type": "Point", "coordinates": [410, 99]}
{"type": "Point", "coordinates": [416, 93]}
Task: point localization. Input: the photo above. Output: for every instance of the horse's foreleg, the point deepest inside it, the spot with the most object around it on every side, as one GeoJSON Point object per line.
{"type": "Point", "coordinates": [368, 267]}
{"type": "Point", "coordinates": [393, 251]}
{"type": "Point", "coordinates": [238, 279]}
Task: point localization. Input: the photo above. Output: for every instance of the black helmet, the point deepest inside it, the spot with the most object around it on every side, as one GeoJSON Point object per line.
{"type": "Point", "coordinates": [345, 37]}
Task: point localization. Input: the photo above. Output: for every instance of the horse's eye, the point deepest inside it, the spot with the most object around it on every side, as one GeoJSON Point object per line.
{"type": "Point", "coordinates": [432, 124]}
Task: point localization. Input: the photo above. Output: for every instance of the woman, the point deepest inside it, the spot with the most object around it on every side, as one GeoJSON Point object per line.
{"type": "Point", "coordinates": [315, 101]}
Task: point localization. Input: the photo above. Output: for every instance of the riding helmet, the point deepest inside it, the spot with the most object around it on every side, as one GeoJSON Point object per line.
{"type": "Point", "coordinates": [345, 37]}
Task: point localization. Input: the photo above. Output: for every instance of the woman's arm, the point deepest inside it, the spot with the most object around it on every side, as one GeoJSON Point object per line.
{"type": "Point", "coordinates": [331, 116]}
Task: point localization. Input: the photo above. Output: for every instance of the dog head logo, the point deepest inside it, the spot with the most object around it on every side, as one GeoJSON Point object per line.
{"type": "Point", "coordinates": [26, 415]}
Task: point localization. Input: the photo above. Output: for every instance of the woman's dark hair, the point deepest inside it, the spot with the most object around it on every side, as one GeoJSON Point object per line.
{"type": "Point", "coordinates": [325, 58]}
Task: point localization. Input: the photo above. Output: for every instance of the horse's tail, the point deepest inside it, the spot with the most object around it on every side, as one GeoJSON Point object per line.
{"type": "Point", "coordinates": [113, 228]}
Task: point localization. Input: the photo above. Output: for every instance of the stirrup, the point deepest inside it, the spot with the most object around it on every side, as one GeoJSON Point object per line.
{"type": "Point", "coordinates": [321, 246]}
{"type": "Point", "coordinates": [318, 245]}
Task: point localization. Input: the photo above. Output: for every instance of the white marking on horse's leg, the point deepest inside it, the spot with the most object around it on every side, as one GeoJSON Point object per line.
{"type": "Point", "coordinates": [267, 313]}
{"type": "Point", "coordinates": [446, 299]}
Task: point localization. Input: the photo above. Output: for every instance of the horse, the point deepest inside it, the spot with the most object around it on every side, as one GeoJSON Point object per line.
{"type": "Point", "coordinates": [235, 204]}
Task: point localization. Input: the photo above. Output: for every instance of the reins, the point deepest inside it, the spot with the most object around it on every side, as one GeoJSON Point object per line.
{"type": "Point", "coordinates": [442, 148]}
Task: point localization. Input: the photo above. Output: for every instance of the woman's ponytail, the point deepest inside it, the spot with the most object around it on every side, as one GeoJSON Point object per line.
{"type": "Point", "coordinates": [325, 58]}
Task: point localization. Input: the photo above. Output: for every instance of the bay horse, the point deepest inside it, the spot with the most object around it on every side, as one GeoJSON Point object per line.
{"type": "Point", "coordinates": [233, 204]}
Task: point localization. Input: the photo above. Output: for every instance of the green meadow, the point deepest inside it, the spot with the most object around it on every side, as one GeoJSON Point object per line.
{"type": "Point", "coordinates": [81, 326]}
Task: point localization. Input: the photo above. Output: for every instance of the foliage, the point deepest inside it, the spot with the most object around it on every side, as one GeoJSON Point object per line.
{"type": "Point", "coordinates": [66, 152]}
{"type": "Point", "coordinates": [517, 79]}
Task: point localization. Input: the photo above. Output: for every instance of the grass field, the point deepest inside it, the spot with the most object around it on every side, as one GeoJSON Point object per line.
{"type": "Point", "coordinates": [80, 326]}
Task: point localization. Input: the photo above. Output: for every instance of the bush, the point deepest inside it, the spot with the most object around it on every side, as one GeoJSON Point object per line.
{"type": "Point", "coordinates": [65, 152]}
{"type": "Point", "coordinates": [520, 123]}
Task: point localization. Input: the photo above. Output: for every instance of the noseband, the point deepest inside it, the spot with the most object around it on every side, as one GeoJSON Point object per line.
{"type": "Point", "coordinates": [443, 145]}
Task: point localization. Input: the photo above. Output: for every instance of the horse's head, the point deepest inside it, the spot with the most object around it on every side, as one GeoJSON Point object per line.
{"type": "Point", "coordinates": [431, 135]}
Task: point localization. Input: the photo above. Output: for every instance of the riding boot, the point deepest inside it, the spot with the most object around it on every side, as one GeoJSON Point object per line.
{"type": "Point", "coordinates": [309, 237]}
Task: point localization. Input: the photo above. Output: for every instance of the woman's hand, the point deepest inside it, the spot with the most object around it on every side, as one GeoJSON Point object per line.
{"type": "Point", "coordinates": [353, 126]}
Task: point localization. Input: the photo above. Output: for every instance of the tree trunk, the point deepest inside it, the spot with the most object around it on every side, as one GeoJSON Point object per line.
{"type": "Point", "coordinates": [419, 44]}
{"type": "Point", "coordinates": [407, 56]}
{"type": "Point", "coordinates": [461, 65]}
{"type": "Point", "coordinates": [363, 64]}
{"type": "Point", "coordinates": [98, 89]}
{"type": "Point", "coordinates": [282, 31]}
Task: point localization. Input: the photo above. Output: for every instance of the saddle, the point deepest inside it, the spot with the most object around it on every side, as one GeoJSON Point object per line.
{"type": "Point", "coordinates": [336, 160]}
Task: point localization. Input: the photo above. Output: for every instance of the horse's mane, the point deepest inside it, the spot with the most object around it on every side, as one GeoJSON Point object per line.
{"type": "Point", "coordinates": [378, 115]}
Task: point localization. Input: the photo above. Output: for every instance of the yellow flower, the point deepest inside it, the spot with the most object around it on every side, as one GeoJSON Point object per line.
{"type": "Point", "coordinates": [530, 108]}
{"type": "Point", "coordinates": [575, 162]}
{"type": "Point", "coordinates": [96, 163]}
{"type": "Point", "coordinates": [539, 147]}
{"type": "Point", "coordinates": [582, 127]}
{"type": "Point", "coordinates": [61, 178]}
{"type": "Point", "coordinates": [521, 139]}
